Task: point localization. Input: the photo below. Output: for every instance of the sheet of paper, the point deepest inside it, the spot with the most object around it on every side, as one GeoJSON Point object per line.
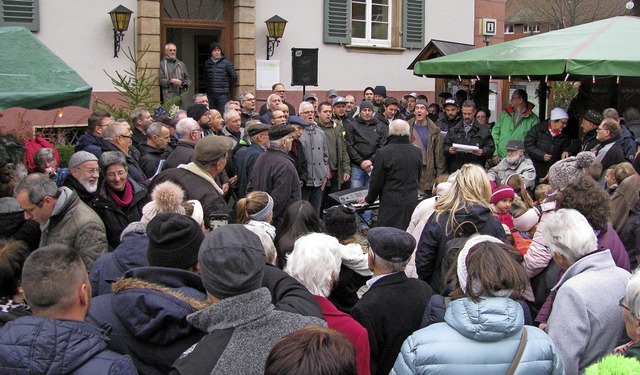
{"type": "Point", "coordinates": [464, 148]}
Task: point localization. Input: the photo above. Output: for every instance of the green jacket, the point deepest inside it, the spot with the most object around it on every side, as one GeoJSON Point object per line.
{"type": "Point", "coordinates": [338, 156]}
{"type": "Point", "coordinates": [506, 130]}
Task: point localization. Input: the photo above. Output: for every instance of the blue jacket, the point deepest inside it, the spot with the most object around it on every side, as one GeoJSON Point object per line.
{"type": "Point", "coordinates": [89, 143]}
{"type": "Point", "coordinates": [478, 338]}
{"type": "Point", "coordinates": [35, 345]}
{"type": "Point", "coordinates": [147, 314]}
{"type": "Point", "coordinates": [131, 253]}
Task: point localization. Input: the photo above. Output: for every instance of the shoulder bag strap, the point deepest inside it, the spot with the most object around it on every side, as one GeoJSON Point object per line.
{"type": "Point", "coordinates": [516, 359]}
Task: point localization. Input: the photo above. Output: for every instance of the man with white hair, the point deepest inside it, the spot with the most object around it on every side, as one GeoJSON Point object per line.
{"type": "Point", "coordinates": [395, 178]}
{"type": "Point", "coordinates": [188, 132]}
{"type": "Point", "coordinates": [173, 76]}
{"type": "Point", "coordinates": [279, 90]}
{"type": "Point", "coordinates": [273, 101]}
{"type": "Point", "coordinates": [83, 175]}
{"type": "Point", "coordinates": [316, 152]}
{"type": "Point", "coordinates": [585, 322]}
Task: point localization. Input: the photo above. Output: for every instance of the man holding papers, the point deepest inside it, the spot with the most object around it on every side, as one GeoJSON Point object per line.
{"type": "Point", "coordinates": [467, 142]}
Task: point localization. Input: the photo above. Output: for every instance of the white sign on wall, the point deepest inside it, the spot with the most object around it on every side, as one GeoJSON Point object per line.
{"type": "Point", "coordinates": [267, 73]}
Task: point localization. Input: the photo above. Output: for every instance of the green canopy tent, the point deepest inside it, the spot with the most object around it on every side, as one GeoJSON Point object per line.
{"type": "Point", "coordinates": [600, 49]}
{"type": "Point", "coordinates": [33, 77]}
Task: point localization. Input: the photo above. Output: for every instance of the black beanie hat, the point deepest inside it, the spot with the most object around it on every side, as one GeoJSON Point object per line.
{"type": "Point", "coordinates": [340, 222]}
{"type": "Point", "coordinates": [174, 241]}
{"type": "Point", "coordinates": [196, 111]}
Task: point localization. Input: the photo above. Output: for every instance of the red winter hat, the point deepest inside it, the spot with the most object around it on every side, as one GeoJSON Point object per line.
{"type": "Point", "coordinates": [502, 192]}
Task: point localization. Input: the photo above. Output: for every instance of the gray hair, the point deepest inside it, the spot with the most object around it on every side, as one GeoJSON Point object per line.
{"type": "Point", "coordinates": [271, 97]}
{"type": "Point", "coordinates": [568, 233]}
{"type": "Point", "coordinates": [469, 104]}
{"type": "Point", "coordinates": [178, 113]}
{"type": "Point", "coordinates": [110, 158]}
{"type": "Point", "coordinates": [243, 94]}
{"type": "Point", "coordinates": [228, 114]}
{"type": "Point", "coordinates": [304, 105]}
{"type": "Point", "coordinates": [611, 113]}
{"type": "Point", "coordinates": [227, 105]}
{"type": "Point", "coordinates": [38, 186]}
{"type": "Point", "coordinates": [112, 131]}
{"type": "Point", "coordinates": [43, 155]}
{"type": "Point", "coordinates": [399, 128]}
{"type": "Point", "coordinates": [314, 262]}
{"type": "Point", "coordinates": [196, 96]}
{"type": "Point", "coordinates": [155, 129]}
{"type": "Point", "coordinates": [137, 113]}
{"type": "Point", "coordinates": [631, 114]}
{"type": "Point", "coordinates": [632, 295]}
{"type": "Point", "coordinates": [381, 263]}
{"type": "Point", "coordinates": [185, 126]}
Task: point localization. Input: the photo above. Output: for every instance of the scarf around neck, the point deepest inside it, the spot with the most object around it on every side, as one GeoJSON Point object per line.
{"type": "Point", "coordinates": [127, 196]}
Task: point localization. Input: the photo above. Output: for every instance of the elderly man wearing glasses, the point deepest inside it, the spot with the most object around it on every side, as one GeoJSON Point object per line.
{"type": "Point", "coordinates": [63, 217]}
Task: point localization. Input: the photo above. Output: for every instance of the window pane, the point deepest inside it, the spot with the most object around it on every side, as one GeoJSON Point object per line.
{"type": "Point", "coordinates": [379, 31]}
{"type": "Point", "coordinates": [376, 2]}
{"type": "Point", "coordinates": [358, 12]}
{"type": "Point", "coordinates": [358, 29]}
{"type": "Point", "coordinates": [379, 13]}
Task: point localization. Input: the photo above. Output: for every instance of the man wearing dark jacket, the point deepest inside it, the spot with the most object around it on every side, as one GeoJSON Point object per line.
{"type": "Point", "coordinates": [545, 143]}
{"type": "Point", "coordinates": [117, 137]}
{"type": "Point", "coordinates": [392, 308]}
{"type": "Point", "coordinates": [247, 156]}
{"type": "Point", "coordinates": [275, 174]}
{"type": "Point", "coordinates": [609, 151]}
{"type": "Point", "coordinates": [589, 124]}
{"type": "Point", "coordinates": [451, 116]}
{"type": "Point", "coordinates": [90, 141]}
{"type": "Point", "coordinates": [189, 133]}
{"type": "Point", "coordinates": [55, 283]}
{"type": "Point", "coordinates": [467, 132]}
{"type": "Point", "coordinates": [154, 149]}
{"type": "Point", "coordinates": [240, 321]}
{"type": "Point", "coordinates": [197, 178]}
{"type": "Point", "coordinates": [219, 76]}
{"type": "Point", "coordinates": [83, 175]}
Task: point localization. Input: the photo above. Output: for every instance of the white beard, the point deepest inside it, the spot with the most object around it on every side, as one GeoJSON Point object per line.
{"type": "Point", "coordinates": [91, 188]}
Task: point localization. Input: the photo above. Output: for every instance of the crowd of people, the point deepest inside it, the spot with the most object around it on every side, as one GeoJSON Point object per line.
{"type": "Point", "coordinates": [208, 241]}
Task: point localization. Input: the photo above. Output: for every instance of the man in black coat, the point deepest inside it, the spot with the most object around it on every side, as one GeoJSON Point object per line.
{"type": "Point", "coordinates": [395, 178]}
{"type": "Point", "coordinates": [468, 132]}
{"type": "Point", "coordinates": [188, 131]}
{"type": "Point", "coordinates": [154, 149]}
{"type": "Point", "coordinates": [220, 77]}
{"type": "Point", "coordinates": [546, 144]}
{"type": "Point", "coordinates": [275, 173]}
{"type": "Point", "coordinates": [247, 156]}
{"type": "Point", "coordinates": [392, 308]}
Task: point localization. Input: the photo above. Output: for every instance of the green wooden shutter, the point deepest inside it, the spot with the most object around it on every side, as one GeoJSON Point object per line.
{"type": "Point", "coordinates": [20, 13]}
{"type": "Point", "coordinates": [413, 24]}
{"type": "Point", "coordinates": [337, 22]}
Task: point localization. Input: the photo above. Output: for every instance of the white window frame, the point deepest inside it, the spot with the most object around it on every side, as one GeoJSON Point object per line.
{"type": "Point", "coordinates": [536, 28]}
{"type": "Point", "coordinates": [368, 40]}
{"type": "Point", "coordinates": [509, 29]}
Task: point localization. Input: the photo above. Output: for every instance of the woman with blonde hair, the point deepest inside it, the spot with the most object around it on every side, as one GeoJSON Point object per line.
{"type": "Point", "coordinates": [461, 211]}
{"type": "Point", "coordinates": [256, 210]}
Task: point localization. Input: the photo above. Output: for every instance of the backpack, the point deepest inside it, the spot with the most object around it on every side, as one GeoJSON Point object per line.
{"type": "Point", "coordinates": [452, 248]}
{"type": "Point", "coordinates": [32, 146]}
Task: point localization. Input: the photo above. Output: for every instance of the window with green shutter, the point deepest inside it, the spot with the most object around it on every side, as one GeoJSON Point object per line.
{"type": "Point", "coordinates": [20, 13]}
{"type": "Point", "coordinates": [413, 24]}
{"type": "Point", "coordinates": [337, 20]}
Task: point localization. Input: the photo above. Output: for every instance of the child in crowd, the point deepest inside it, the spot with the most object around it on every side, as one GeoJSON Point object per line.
{"type": "Point", "coordinates": [516, 181]}
{"type": "Point", "coordinates": [525, 223]}
{"type": "Point", "coordinates": [501, 200]}
{"type": "Point", "coordinates": [541, 193]}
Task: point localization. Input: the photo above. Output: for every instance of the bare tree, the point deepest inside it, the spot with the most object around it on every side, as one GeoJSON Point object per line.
{"type": "Point", "coordinates": [566, 13]}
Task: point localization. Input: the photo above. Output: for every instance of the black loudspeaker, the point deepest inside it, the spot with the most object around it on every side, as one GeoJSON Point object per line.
{"type": "Point", "coordinates": [304, 67]}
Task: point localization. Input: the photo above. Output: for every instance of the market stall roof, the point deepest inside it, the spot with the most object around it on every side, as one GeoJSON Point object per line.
{"type": "Point", "coordinates": [33, 77]}
{"type": "Point", "coordinates": [438, 48]}
{"type": "Point", "coordinates": [601, 48]}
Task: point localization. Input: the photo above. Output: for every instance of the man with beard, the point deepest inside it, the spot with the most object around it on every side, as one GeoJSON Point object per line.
{"type": "Point", "coordinates": [379, 95]}
{"type": "Point", "coordinates": [83, 175]}
{"type": "Point", "coordinates": [451, 116]}
{"type": "Point", "coordinates": [514, 163]}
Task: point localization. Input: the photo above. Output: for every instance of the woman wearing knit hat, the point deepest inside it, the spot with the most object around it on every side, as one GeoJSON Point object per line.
{"type": "Point", "coordinates": [483, 326]}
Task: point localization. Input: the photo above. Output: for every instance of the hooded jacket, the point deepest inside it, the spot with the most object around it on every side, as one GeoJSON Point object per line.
{"type": "Point", "coordinates": [147, 314]}
{"type": "Point", "coordinates": [506, 129]}
{"type": "Point", "coordinates": [432, 245]}
{"type": "Point", "coordinates": [131, 253]}
{"type": "Point", "coordinates": [36, 345]}
{"type": "Point", "coordinates": [586, 323]}
{"type": "Point", "coordinates": [364, 138]}
{"type": "Point", "coordinates": [478, 338]}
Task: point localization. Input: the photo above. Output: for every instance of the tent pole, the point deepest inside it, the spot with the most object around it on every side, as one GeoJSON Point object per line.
{"type": "Point", "coordinates": [542, 110]}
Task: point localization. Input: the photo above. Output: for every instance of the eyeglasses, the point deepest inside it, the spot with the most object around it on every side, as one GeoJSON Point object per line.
{"type": "Point", "coordinates": [621, 304]}
{"type": "Point", "coordinates": [306, 112]}
{"type": "Point", "coordinates": [90, 170]}
{"type": "Point", "coordinates": [250, 100]}
{"type": "Point", "coordinates": [119, 174]}
{"type": "Point", "coordinates": [599, 128]}
{"type": "Point", "coordinates": [125, 136]}
{"type": "Point", "coordinates": [30, 210]}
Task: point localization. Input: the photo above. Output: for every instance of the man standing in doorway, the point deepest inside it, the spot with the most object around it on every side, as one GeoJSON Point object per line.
{"type": "Point", "coordinates": [220, 77]}
{"type": "Point", "coordinates": [173, 76]}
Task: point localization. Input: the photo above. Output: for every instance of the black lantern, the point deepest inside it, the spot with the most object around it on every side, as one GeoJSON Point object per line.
{"type": "Point", "coordinates": [275, 28]}
{"type": "Point", "coordinates": [120, 18]}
